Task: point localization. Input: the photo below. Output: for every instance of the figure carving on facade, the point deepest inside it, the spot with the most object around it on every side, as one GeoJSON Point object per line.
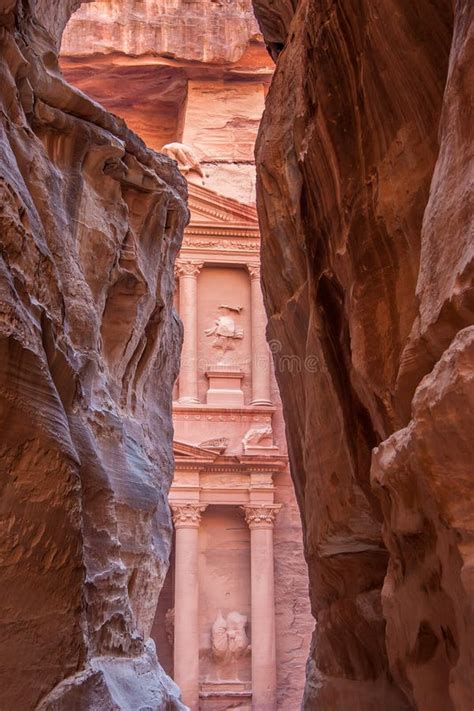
{"type": "Point", "coordinates": [225, 332]}
{"type": "Point", "coordinates": [261, 436]}
{"type": "Point", "coordinates": [184, 156]}
{"type": "Point", "coordinates": [228, 636]}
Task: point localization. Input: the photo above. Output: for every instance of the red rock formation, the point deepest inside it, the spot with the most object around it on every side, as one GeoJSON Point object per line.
{"type": "Point", "coordinates": [90, 223]}
{"type": "Point", "coordinates": [136, 58]}
{"type": "Point", "coordinates": [365, 166]}
{"type": "Point", "coordinates": [210, 31]}
{"type": "Point", "coordinates": [195, 73]}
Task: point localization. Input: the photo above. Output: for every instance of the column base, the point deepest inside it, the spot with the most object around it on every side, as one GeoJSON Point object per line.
{"type": "Point", "coordinates": [261, 403]}
{"type": "Point", "coordinates": [188, 401]}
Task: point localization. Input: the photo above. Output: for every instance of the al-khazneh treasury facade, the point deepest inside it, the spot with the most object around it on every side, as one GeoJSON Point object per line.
{"type": "Point", "coordinates": [233, 624]}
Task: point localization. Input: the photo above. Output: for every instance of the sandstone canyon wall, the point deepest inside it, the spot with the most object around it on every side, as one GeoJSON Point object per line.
{"type": "Point", "coordinates": [90, 223]}
{"type": "Point", "coordinates": [365, 201]}
{"type": "Point", "coordinates": [193, 72]}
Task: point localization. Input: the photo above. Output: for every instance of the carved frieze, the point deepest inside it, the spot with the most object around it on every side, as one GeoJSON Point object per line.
{"type": "Point", "coordinates": [222, 244]}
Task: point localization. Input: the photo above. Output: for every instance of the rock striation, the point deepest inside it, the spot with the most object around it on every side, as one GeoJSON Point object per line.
{"type": "Point", "coordinates": [208, 31]}
{"type": "Point", "coordinates": [90, 224]}
{"type": "Point", "coordinates": [365, 166]}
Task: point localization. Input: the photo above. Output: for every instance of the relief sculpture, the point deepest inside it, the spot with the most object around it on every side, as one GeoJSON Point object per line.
{"type": "Point", "coordinates": [225, 332]}
{"type": "Point", "coordinates": [260, 436]}
{"type": "Point", "coordinates": [228, 636]}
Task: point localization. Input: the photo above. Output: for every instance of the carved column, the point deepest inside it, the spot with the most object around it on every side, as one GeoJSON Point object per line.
{"type": "Point", "coordinates": [260, 352]}
{"type": "Point", "coordinates": [260, 520]}
{"type": "Point", "coordinates": [186, 518]}
{"type": "Point", "coordinates": [187, 273]}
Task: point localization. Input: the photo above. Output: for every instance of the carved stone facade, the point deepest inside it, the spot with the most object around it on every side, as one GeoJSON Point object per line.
{"type": "Point", "coordinates": [241, 597]}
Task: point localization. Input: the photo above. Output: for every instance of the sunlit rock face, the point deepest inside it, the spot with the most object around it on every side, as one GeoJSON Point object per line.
{"type": "Point", "coordinates": [364, 166]}
{"type": "Point", "coordinates": [90, 223]}
{"type": "Point", "coordinates": [211, 31]}
{"type": "Point", "coordinates": [190, 72]}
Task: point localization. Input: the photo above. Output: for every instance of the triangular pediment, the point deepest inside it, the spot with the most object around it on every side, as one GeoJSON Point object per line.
{"type": "Point", "coordinates": [209, 208]}
{"type": "Point", "coordinates": [183, 450]}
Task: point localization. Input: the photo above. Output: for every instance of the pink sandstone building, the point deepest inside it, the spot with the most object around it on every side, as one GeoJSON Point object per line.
{"type": "Point", "coordinates": [233, 625]}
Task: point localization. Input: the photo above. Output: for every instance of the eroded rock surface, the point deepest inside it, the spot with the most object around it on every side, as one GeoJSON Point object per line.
{"type": "Point", "coordinates": [90, 223]}
{"type": "Point", "coordinates": [180, 72]}
{"type": "Point", "coordinates": [210, 31]}
{"type": "Point", "coordinates": [365, 168]}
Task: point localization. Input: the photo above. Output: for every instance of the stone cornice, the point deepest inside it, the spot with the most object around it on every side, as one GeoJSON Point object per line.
{"type": "Point", "coordinates": [275, 464]}
{"type": "Point", "coordinates": [202, 411]}
{"type": "Point", "coordinates": [220, 240]}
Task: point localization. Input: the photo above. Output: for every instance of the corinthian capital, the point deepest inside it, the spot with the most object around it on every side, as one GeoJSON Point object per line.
{"type": "Point", "coordinates": [254, 271]}
{"type": "Point", "coordinates": [188, 268]}
{"type": "Point", "coordinates": [261, 516]}
{"type": "Point", "coordinates": [187, 515]}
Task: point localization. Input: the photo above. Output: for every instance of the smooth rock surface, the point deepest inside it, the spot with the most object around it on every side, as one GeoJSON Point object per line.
{"type": "Point", "coordinates": [90, 223]}
{"type": "Point", "coordinates": [364, 164]}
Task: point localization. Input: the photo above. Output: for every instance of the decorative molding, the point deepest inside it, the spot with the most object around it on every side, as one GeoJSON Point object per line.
{"type": "Point", "coordinates": [261, 436]}
{"type": "Point", "coordinates": [222, 418]}
{"type": "Point", "coordinates": [254, 271]}
{"type": "Point", "coordinates": [261, 516]}
{"type": "Point", "coordinates": [188, 268]}
{"type": "Point", "coordinates": [208, 203]}
{"type": "Point", "coordinates": [187, 515]}
{"type": "Point", "coordinates": [224, 245]}
{"type": "Point", "coordinates": [219, 443]}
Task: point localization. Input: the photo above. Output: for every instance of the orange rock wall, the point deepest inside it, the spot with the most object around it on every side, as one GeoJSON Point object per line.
{"type": "Point", "coordinates": [206, 31]}
{"type": "Point", "coordinates": [364, 167]}
{"type": "Point", "coordinates": [194, 73]}
{"type": "Point", "coordinates": [90, 224]}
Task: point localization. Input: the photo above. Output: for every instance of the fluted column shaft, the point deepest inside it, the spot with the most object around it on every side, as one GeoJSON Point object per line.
{"type": "Point", "coordinates": [260, 520]}
{"type": "Point", "coordinates": [260, 353]}
{"type": "Point", "coordinates": [187, 518]}
{"type": "Point", "coordinates": [188, 382]}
